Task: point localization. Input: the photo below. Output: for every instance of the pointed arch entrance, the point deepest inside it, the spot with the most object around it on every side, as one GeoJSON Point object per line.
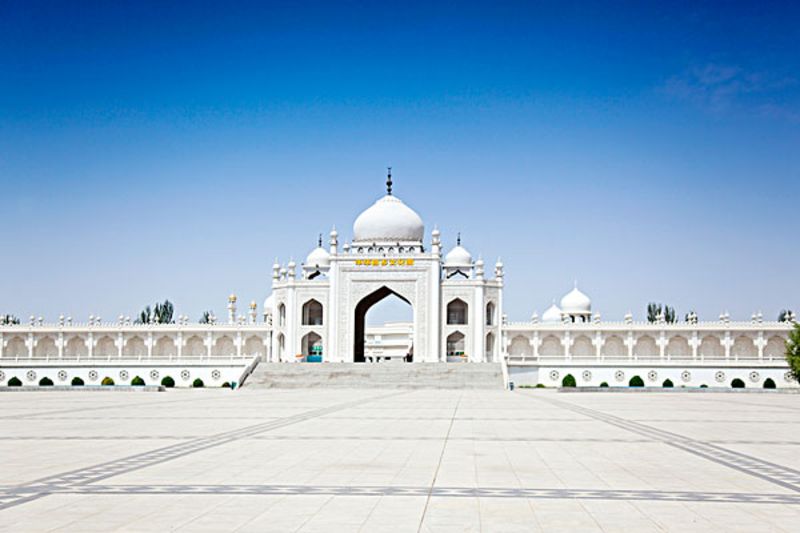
{"type": "Point", "coordinates": [361, 310]}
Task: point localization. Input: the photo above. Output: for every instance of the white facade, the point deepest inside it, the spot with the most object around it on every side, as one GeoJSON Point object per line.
{"type": "Point", "coordinates": [317, 312]}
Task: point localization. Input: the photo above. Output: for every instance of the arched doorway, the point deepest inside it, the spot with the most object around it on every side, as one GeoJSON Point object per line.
{"type": "Point", "coordinates": [360, 322]}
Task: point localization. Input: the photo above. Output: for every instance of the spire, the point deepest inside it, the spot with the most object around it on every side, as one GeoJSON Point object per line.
{"type": "Point", "coordinates": [389, 181]}
{"type": "Point", "coordinates": [458, 239]}
{"type": "Point", "coordinates": [319, 241]}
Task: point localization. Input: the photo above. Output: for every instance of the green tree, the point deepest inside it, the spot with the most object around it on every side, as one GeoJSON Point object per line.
{"type": "Point", "coordinates": [159, 314]}
{"type": "Point", "coordinates": [654, 310]}
{"type": "Point", "coordinates": [793, 352]}
{"type": "Point", "coordinates": [206, 318]}
{"type": "Point", "coordinates": [784, 314]}
{"type": "Point", "coordinates": [9, 319]}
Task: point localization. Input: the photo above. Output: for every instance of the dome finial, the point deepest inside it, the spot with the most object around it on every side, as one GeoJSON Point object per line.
{"type": "Point", "coordinates": [458, 239]}
{"type": "Point", "coordinates": [389, 181]}
{"type": "Point", "coordinates": [319, 241]}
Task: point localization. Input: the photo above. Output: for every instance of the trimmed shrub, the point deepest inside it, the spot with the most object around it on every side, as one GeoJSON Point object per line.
{"type": "Point", "coordinates": [541, 386]}
{"type": "Point", "coordinates": [636, 381]}
{"type": "Point", "coordinates": [107, 381]}
{"type": "Point", "coordinates": [769, 384]}
{"type": "Point", "coordinates": [604, 384]}
{"type": "Point", "coordinates": [45, 382]}
{"type": "Point", "coordinates": [137, 381]}
{"type": "Point", "coordinates": [568, 381]}
{"type": "Point", "coordinates": [198, 383]}
{"type": "Point", "coordinates": [703, 386]}
{"type": "Point", "coordinates": [737, 383]}
{"type": "Point", "coordinates": [14, 382]}
{"type": "Point", "coordinates": [168, 382]}
{"type": "Point", "coordinates": [77, 382]}
{"type": "Point", "coordinates": [226, 385]}
{"type": "Point", "coordinates": [667, 384]}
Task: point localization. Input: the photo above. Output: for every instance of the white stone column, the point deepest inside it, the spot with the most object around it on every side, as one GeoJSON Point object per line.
{"type": "Point", "coordinates": [29, 342]}
{"type": "Point", "coordinates": [120, 344]}
{"type": "Point", "coordinates": [149, 345]}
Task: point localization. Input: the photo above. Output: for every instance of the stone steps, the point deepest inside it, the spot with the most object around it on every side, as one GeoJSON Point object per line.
{"type": "Point", "coordinates": [377, 375]}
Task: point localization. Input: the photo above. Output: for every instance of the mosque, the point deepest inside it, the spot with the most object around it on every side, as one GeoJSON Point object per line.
{"type": "Point", "coordinates": [317, 314]}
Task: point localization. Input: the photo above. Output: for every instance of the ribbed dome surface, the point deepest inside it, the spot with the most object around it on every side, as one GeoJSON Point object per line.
{"type": "Point", "coordinates": [388, 220]}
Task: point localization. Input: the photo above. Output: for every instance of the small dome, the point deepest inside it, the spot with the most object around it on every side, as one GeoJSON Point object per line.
{"type": "Point", "coordinates": [553, 314]}
{"type": "Point", "coordinates": [319, 257]}
{"type": "Point", "coordinates": [388, 220]}
{"type": "Point", "coordinates": [458, 257]}
{"type": "Point", "coordinates": [576, 303]}
{"type": "Point", "coordinates": [269, 303]}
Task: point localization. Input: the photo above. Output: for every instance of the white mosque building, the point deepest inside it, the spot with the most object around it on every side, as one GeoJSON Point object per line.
{"type": "Point", "coordinates": [316, 314]}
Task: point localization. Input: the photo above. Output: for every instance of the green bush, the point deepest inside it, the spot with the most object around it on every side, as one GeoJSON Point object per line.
{"type": "Point", "coordinates": [77, 382]}
{"type": "Point", "coordinates": [737, 383]}
{"type": "Point", "coordinates": [604, 384]}
{"type": "Point", "coordinates": [14, 382]}
{"type": "Point", "coordinates": [636, 381]}
{"type": "Point", "coordinates": [769, 384]}
{"type": "Point", "coordinates": [107, 381]}
{"type": "Point", "coordinates": [703, 386]}
{"type": "Point", "coordinates": [168, 382]}
{"type": "Point", "coordinates": [137, 381]}
{"type": "Point", "coordinates": [541, 386]}
{"type": "Point", "coordinates": [667, 384]}
{"type": "Point", "coordinates": [226, 385]}
{"type": "Point", "coordinates": [568, 381]}
{"type": "Point", "coordinates": [45, 382]}
{"type": "Point", "coordinates": [198, 383]}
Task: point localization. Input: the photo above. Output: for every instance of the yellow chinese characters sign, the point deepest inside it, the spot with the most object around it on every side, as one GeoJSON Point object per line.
{"type": "Point", "coordinates": [384, 262]}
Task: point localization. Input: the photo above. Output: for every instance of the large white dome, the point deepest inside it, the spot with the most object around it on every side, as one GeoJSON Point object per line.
{"type": "Point", "coordinates": [576, 303]}
{"type": "Point", "coordinates": [388, 220]}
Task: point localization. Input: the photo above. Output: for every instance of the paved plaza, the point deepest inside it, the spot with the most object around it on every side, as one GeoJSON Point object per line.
{"type": "Point", "coordinates": [379, 460]}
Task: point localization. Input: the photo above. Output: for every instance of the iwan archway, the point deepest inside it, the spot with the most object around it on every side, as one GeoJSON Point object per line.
{"type": "Point", "coordinates": [360, 321]}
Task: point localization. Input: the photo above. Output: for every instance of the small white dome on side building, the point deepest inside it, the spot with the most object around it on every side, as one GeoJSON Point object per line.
{"type": "Point", "coordinates": [319, 257]}
{"type": "Point", "coordinates": [553, 314]}
{"type": "Point", "coordinates": [458, 257]}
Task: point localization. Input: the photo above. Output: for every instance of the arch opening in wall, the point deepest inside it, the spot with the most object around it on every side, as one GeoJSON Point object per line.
{"type": "Point", "coordinates": [744, 348]}
{"type": "Point", "coordinates": [582, 348]}
{"type": "Point", "coordinates": [551, 347]}
{"type": "Point", "coordinates": [456, 347]}
{"type": "Point", "coordinates": [520, 347]}
{"type": "Point", "coordinates": [311, 346]}
{"type": "Point", "coordinates": [457, 313]}
{"type": "Point", "coordinates": [281, 347]}
{"type": "Point", "coordinates": [45, 348]}
{"type": "Point", "coordinates": [490, 347]}
{"type": "Point", "coordinates": [254, 346]}
{"type": "Point", "coordinates": [711, 348]}
{"type": "Point", "coordinates": [312, 313]}
{"type": "Point", "coordinates": [164, 348]}
{"type": "Point", "coordinates": [75, 348]}
{"type": "Point", "coordinates": [678, 348]}
{"type": "Point", "coordinates": [491, 320]}
{"type": "Point", "coordinates": [646, 348]}
{"type": "Point", "coordinates": [775, 348]}
{"type": "Point", "coordinates": [15, 349]}
{"type": "Point", "coordinates": [135, 347]}
{"type": "Point", "coordinates": [614, 348]}
{"type": "Point", "coordinates": [282, 315]}
{"type": "Point", "coordinates": [105, 347]}
{"type": "Point", "coordinates": [225, 347]}
{"type": "Point", "coordinates": [195, 347]}
{"type": "Point", "coordinates": [388, 339]}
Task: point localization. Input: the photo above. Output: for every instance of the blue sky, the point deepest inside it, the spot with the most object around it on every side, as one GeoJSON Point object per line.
{"type": "Point", "coordinates": [152, 151]}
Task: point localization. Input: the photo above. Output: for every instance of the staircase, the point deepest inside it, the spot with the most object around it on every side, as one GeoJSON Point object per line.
{"type": "Point", "coordinates": [377, 376]}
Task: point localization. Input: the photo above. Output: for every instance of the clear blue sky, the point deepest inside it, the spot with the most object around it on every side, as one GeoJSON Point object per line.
{"type": "Point", "coordinates": [152, 151]}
